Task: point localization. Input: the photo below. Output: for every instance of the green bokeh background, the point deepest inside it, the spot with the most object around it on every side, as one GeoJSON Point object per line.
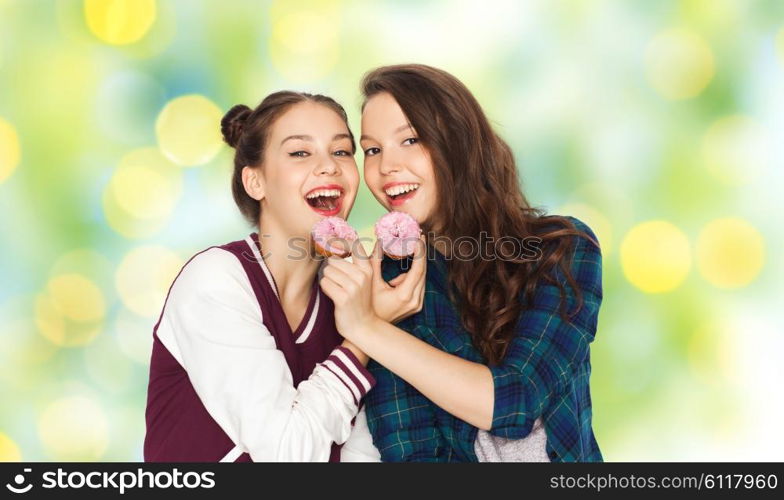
{"type": "Point", "coordinates": [618, 112]}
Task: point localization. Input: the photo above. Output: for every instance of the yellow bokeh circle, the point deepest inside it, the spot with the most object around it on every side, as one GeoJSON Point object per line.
{"type": "Point", "coordinates": [76, 297]}
{"type": "Point", "coordinates": [736, 149]}
{"type": "Point", "coordinates": [144, 276]}
{"type": "Point", "coordinates": [71, 310]}
{"type": "Point", "coordinates": [679, 64]}
{"type": "Point", "coordinates": [9, 150]}
{"type": "Point", "coordinates": [142, 193]}
{"type": "Point", "coordinates": [304, 43]}
{"type": "Point", "coordinates": [74, 428]}
{"type": "Point", "coordinates": [188, 130]}
{"type": "Point", "coordinates": [146, 185]}
{"type": "Point", "coordinates": [9, 451]}
{"type": "Point", "coordinates": [120, 22]}
{"type": "Point", "coordinates": [730, 252]}
{"type": "Point", "coordinates": [655, 256]}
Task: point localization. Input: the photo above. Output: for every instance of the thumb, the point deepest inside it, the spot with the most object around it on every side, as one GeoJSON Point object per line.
{"type": "Point", "coordinates": [375, 262]}
{"type": "Point", "coordinates": [400, 278]}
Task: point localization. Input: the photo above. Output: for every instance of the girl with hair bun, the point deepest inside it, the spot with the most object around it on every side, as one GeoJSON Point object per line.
{"type": "Point", "coordinates": [247, 362]}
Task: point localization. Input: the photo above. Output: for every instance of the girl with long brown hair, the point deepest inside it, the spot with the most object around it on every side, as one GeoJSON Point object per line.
{"type": "Point", "coordinates": [495, 366]}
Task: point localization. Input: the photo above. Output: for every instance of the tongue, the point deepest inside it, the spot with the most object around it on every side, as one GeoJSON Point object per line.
{"type": "Point", "coordinates": [325, 203]}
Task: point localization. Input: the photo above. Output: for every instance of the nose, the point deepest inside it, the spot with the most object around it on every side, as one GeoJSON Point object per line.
{"type": "Point", "coordinates": [328, 166]}
{"type": "Point", "coordinates": [389, 164]}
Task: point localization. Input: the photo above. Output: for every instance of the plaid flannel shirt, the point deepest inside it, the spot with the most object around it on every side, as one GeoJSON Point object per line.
{"type": "Point", "coordinates": [545, 372]}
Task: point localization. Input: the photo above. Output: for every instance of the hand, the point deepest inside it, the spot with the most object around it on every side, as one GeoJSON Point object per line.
{"type": "Point", "coordinates": [349, 286]}
{"type": "Point", "coordinates": [405, 294]}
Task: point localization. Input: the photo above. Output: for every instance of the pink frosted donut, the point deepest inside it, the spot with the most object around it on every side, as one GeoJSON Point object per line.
{"type": "Point", "coordinates": [398, 233]}
{"type": "Point", "coordinates": [333, 236]}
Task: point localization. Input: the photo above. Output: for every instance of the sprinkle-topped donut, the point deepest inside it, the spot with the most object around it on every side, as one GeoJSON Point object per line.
{"type": "Point", "coordinates": [398, 233]}
{"type": "Point", "coordinates": [333, 236]}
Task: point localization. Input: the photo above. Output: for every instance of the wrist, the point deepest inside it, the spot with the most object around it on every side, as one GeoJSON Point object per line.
{"type": "Point", "coordinates": [360, 332]}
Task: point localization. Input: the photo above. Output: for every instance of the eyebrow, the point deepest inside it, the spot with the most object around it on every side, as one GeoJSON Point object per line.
{"type": "Point", "coordinates": [336, 137]}
{"type": "Point", "coordinates": [397, 130]}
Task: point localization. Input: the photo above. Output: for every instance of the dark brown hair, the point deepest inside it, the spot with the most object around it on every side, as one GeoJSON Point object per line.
{"type": "Point", "coordinates": [247, 132]}
{"type": "Point", "coordinates": [475, 169]}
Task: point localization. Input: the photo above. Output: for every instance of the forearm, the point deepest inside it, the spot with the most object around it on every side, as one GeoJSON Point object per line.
{"type": "Point", "coordinates": [361, 356]}
{"type": "Point", "coordinates": [463, 388]}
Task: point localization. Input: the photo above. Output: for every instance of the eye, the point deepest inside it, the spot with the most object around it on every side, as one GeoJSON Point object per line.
{"type": "Point", "coordinates": [299, 154]}
{"type": "Point", "coordinates": [372, 151]}
{"type": "Point", "coordinates": [343, 152]}
{"type": "Point", "coordinates": [410, 141]}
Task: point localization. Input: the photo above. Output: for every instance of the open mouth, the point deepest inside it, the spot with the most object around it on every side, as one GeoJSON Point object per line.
{"type": "Point", "coordinates": [325, 201]}
{"type": "Point", "coordinates": [398, 194]}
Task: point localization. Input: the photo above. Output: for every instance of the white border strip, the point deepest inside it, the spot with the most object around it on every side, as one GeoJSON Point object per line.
{"type": "Point", "coordinates": [346, 361]}
{"type": "Point", "coordinates": [232, 455]}
{"type": "Point", "coordinates": [338, 372]}
{"type": "Point", "coordinates": [312, 321]}
{"type": "Point", "coordinates": [260, 260]}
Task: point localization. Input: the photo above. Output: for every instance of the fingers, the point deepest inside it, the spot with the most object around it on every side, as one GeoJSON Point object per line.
{"type": "Point", "coordinates": [333, 290]}
{"type": "Point", "coordinates": [416, 275]}
{"type": "Point", "coordinates": [375, 263]}
{"type": "Point", "coordinates": [343, 273]}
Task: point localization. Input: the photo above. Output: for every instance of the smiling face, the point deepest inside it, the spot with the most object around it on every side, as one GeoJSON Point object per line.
{"type": "Point", "coordinates": [308, 171]}
{"type": "Point", "coordinates": [398, 169]}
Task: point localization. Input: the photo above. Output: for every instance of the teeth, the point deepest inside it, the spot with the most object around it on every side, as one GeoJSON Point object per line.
{"type": "Point", "coordinates": [401, 188]}
{"type": "Point", "coordinates": [328, 193]}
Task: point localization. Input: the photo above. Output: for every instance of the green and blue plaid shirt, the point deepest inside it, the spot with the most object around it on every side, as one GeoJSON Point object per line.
{"type": "Point", "coordinates": [545, 372]}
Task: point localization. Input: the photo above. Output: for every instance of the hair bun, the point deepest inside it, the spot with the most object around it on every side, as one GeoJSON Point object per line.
{"type": "Point", "coordinates": [233, 122]}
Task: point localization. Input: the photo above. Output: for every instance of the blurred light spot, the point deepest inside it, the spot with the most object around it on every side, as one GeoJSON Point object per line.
{"type": "Point", "coordinates": [188, 130]}
{"type": "Point", "coordinates": [730, 252]}
{"type": "Point", "coordinates": [679, 64]}
{"type": "Point", "coordinates": [304, 44]}
{"type": "Point", "coordinates": [9, 150]}
{"type": "Point", "coordinates": [77, 298]}
{"type": "Point", "coordinates": [55, 327]}
{"type": "Point", "coordinates": [70, 311]}
{"type": "Point", "coordinates": [655, 256]}
{"type": "Point", "coordinates": [142, 193]}
{"type": "Point", "coordinates": [736, 150]}
{"type": "Point", "coordinates": [9, 451]}
{"type": "Point", "coordinates": [144, 277]}
{"type": "Point", "coordinates": [134, 335]}
{"type": "Point", "coordinates": [596, 220]}
{"type": "Point", "coordinates": [780, 44]}
{"type": "Point", "coordinates": [74, 429]}
{"type": "Point", "coordinates": [145, 190]}
{"type": "Point", "coordinates": [87, 262]}
{"type": "Point", "coordinates": [119, 22]}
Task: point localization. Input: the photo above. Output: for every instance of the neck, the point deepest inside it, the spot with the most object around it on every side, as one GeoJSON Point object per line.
{"type": "Point", "coordinates": [289, 260]}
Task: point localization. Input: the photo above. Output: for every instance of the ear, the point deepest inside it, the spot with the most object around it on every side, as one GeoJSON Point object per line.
{"type": "Point", "coordinates": [253, 181]}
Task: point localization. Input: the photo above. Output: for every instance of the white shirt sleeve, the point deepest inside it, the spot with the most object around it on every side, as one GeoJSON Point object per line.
{"type": "Point", "coordinates": [359, 446]}
{"type": "Point", "coordinates": [213, 326]}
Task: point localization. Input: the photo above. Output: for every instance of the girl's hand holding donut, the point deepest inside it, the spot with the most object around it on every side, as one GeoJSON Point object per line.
{"type": "Point", "coordinates": [405, 294]}
{"type": "Point", "coordinates": [349, 285]}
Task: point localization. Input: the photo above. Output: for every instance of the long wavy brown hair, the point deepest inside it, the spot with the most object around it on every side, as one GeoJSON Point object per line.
{"type": "Point", "coordinates": [479, 191]}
